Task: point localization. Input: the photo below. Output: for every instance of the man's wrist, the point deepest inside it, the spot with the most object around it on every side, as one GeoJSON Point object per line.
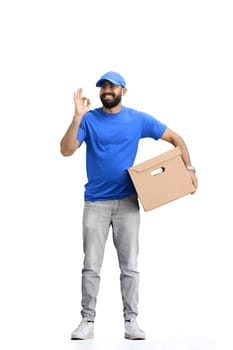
{"type": "Point", "coordinates": [77, 117]}
{"type": "Point", "coordinates": [190, 167]}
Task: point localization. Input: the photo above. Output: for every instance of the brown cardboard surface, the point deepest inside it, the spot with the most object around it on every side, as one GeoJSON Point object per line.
{"type": "Point", "coordinates": [161, 179]}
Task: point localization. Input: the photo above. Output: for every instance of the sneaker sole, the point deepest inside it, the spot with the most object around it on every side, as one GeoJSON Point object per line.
{"type": "Point", "coordinates": [134, 338]}
{"type": "Point", "coordinates": [82, 338]}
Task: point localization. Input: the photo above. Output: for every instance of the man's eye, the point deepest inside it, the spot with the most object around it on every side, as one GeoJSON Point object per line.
{"type": "Point", "coordinates": [104, 86]}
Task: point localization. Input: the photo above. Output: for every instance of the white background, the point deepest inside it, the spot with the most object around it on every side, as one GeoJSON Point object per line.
{"type": "Point", "coordinates": [176, 57]}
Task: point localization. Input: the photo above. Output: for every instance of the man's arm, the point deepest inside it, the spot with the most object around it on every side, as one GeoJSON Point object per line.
{"type": "Point", "coordinates": [177, 141]}
{"type": "Point", "coordinates": [69, 142]}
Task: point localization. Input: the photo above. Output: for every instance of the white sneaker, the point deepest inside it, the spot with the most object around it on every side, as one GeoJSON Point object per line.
{"type": "Point", "coordinates": [85, 330]}
{"type": "Point", "coordinates": [132, 331]}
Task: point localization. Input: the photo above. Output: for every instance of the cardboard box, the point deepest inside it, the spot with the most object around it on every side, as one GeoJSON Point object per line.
{"type": "Point", "coordinates": [161, 179]}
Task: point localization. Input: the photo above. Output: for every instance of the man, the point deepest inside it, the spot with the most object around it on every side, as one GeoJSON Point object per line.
{"type": "Point", "coordinates": [111, 134]}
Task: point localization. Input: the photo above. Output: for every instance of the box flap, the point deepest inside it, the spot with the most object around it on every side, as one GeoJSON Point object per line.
{"type": "Point", "coordinates": [156, 160]}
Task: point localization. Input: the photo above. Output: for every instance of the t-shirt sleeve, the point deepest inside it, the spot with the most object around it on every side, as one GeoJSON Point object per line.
{"type": "Point", "coordinates": [152, 127]}
{"type": "Point", "coordinates": [81, 135]}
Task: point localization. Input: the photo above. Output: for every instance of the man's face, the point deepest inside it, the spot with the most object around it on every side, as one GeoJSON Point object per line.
{"type": "Point", "coordinates": [110, 94]}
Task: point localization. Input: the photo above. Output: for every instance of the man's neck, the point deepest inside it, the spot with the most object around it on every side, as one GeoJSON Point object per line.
{"type": "Point", "coordinates": [113, 110]}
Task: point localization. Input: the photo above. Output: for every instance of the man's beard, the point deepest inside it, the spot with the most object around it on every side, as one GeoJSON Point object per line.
{"type": "Point", "coordinates": [113, 103]}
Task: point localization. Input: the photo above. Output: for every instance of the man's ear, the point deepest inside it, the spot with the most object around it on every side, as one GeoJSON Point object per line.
{"type": "Point", "coordinates": [123, 91]}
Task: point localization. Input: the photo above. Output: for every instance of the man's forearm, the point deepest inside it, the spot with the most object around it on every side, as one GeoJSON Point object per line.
{"type": "Point", "coordinates": [69, 142]}
{"type": "Point", "coordinates": [177, 141]}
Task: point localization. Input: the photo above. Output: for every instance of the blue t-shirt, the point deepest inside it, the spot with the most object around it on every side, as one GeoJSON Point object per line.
{"type": "Point", "coordinates": [111, 147]}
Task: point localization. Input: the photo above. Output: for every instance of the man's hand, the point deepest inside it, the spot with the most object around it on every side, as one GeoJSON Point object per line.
{"type": "Point", "coordinates": [81, 103]}
{"type": "Point", "coordinates": [194, 180]}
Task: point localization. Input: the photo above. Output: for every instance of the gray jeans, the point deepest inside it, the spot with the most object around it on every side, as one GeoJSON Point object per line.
{"type": "Point", "coordinates": [124, 218]}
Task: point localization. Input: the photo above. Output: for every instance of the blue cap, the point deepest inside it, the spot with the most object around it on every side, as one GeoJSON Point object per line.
{"type": "Point", "coordinates": [114, 77]}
